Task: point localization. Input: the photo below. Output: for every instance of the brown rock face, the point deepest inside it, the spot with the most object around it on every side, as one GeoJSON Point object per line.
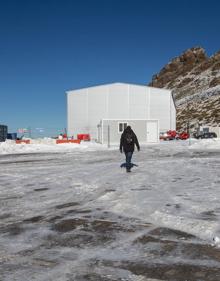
{"type": "Point", "coordinates": [179, 66]}
{"type": "Point", "coordinates": [194, 79]}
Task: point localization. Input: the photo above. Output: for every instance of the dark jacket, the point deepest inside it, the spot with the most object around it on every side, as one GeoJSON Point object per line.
{"type": "Point", "coordinates": [124, 145]}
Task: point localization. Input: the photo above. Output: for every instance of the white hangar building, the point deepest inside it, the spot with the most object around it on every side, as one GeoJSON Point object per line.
{"type": "Point", "coordinates": [104, 111]}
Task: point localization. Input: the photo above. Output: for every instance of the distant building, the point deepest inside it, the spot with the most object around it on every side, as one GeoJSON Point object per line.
{"type": "Point", "coordinates": [3, 132]}
{"type": "Point", "coordinates": [104, 111]}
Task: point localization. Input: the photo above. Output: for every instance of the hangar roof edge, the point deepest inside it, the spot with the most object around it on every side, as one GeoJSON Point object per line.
{"type": "Point", "coordinates": [115, 83]}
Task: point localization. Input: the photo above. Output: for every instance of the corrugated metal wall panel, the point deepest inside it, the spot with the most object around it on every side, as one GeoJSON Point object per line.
{"type": "Point", "coordinates": [138, 101]}
{"type": "Point", "coordinates": [173, 113]}
{"type": "Point", "coordinates": [160, 107]}
{"type": "Point", "coordinates": [118, 101]}
{"type": "Point", "coordinates": [77, 112]}
{"type": "Point", "coordinates": [97, 107]}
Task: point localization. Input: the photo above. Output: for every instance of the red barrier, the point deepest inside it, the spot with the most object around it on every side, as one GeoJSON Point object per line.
{"type": "Point", "coordinates": [68, 141]}
{"type": "Point", "coordinates": [22, 141]}
{"type": "Point", "coordinates": [84, 137]}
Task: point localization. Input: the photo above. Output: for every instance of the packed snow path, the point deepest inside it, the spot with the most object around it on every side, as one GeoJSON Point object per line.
{"type": "Point", "coordinates": [76, 215]}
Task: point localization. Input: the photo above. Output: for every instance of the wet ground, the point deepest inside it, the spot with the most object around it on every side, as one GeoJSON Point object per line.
{"type": "Point", "coordinates": [53, 227]}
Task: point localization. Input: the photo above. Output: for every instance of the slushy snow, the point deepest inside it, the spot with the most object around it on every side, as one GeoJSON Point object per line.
{"type": "Point", "coordinates": [174, 181]}
{"type": "Point", "coordinates": [175, 186]}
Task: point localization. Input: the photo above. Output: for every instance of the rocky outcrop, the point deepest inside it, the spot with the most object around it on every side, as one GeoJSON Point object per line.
{"type": "Point", "coordinates": [194, 79]}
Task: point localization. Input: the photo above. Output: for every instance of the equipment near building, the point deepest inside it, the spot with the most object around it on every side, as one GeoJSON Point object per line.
{"type": "Point", "coordinates": [174, 135]}
{"type": "Point", "coordinates": [3, 132]}
{"type": "Point", "coordinates": [83, 137]}
{"type": "Point", "coordinates": [12, 136]}
{"type": "Point", "coordinates": [206, 135]}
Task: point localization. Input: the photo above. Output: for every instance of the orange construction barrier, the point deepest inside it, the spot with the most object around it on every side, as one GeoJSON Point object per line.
{"type": "Point", "coordinates": [22, 141]}
{"type": "Point", "coordinates": [68, 141]}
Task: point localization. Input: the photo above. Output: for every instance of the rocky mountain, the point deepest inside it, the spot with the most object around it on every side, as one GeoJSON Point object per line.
{"type": "Point", "coordinates": [194, 79]}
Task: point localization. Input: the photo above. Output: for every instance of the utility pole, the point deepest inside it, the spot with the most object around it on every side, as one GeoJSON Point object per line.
{"type": "Point", "coordinates": [108, 136]}
{"type": "Point", "coordinates": [188, 121]}
{"type": "Point", "coordinates": [187, 117]}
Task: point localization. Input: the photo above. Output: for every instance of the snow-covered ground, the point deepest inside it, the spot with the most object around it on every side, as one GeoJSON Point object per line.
{"type": "Point", "coordinates": [69, 212]}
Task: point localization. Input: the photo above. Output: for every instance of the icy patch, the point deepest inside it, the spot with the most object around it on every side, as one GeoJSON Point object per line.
{"type": "Point", "coordinates": [200, 228]}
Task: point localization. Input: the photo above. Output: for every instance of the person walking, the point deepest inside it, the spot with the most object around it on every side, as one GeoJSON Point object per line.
{"type": "Point", "coordinates": [127, 144]}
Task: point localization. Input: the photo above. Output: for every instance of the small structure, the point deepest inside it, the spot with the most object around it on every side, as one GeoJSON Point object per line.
{"type": "Point", "coordinates": [3, 132]}
{"type": "Point", "coordinates": [104, 111]}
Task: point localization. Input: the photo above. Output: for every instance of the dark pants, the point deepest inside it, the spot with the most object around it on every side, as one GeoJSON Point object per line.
{"type": "Point", "coordinates": [128, 156]}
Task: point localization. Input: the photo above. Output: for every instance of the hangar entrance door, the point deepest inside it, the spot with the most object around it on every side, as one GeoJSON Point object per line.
{"type": "Point", "coordinates": [152, 131]}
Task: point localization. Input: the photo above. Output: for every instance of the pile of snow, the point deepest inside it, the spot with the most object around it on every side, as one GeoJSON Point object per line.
{"type": "Point", "coordinates": [45, 145]}
{"type": "Point", "coordinates": [206, 144]}
{"type": "Point", "coordinates": [49, 145]}
{"type": "Point", "coordinates": [43, 141]}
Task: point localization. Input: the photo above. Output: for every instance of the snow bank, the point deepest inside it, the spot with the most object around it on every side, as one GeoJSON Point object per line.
{"type": "Point", "coordinates": [206, 144]}
{"type": "Point", "coordinates": [45, 145]}
{"type": "Point", "coordinates": [49, 145]}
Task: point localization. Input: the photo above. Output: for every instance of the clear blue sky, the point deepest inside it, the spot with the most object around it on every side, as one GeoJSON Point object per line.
{"type": "Point", "coordinates": [49, 46]}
